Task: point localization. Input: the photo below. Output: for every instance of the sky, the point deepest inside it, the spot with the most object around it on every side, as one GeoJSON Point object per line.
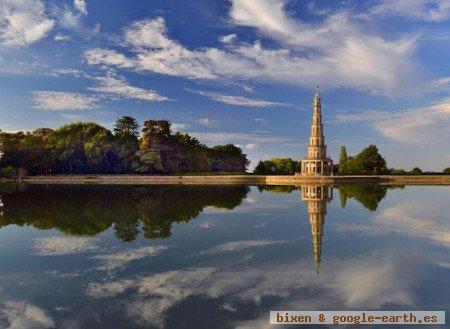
{"type": "Point", "coordinates": [237, 71]}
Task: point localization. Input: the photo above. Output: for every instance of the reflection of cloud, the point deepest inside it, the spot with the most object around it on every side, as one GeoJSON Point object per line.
{"type": "Point", "coordinates": [22, 315]}
{"type": "Point", "coordinates": [372, 281]}
{"type": "Point", "coordinates": [417, 220]}
{"type": "Point", "coordinates": [55, 246]}
{"type": "Point", "coordinates": [207, 224]}
{"type": "Point", "coordinates": [249, 207]}
{"type": "Point", "coordinates": [240, 245]}
{"type": "Point", "coordinates": [119, 259]}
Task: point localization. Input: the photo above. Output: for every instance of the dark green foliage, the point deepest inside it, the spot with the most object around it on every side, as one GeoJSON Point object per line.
{"type": "Point", "coordinates": [90, 210]}
{"type": "Point", "coordinates": [416, 171]}
{"type": "Point", "coordinates": [127, 128]}
{"type": "Point", "coordinates": [368, 195]}
{"type": "Point", "coordinates": [86, 147]}
{"type": "Point", "coordinates": [368, 162]}
{"type": "Point", "coordinates": [7, 172]}
{"type": "Point", "coordinates": [394, 171]}
{"type": "Point", "coordinates": [277, 166]}
{"type": "Point", "coordinates": [277, 188]}
{"type": "Point", "coordinates": [446, 171]}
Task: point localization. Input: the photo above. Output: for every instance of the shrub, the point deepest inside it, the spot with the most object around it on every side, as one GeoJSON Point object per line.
{"type": "Point", "coordinates": [446, 171]}
{"type": "Point", "coordinates": [7, 172]}
{"type": "Point", "coordinates": [394, 171]}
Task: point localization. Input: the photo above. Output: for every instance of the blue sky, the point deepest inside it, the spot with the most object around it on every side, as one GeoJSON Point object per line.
{"type": "Point", "coordinates": [239, 71]}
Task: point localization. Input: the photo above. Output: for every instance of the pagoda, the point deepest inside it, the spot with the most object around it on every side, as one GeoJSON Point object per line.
{"type": "Point", "coordinates": [316, 198]}
{"type": "Point", "coordinates": [316, 162]}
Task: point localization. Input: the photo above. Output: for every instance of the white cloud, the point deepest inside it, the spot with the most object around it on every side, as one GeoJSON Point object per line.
{"type": "Point", "coordinates": [207, 121]}
{"type": "Point", "coordinates": [343, 50]}
{"type": "Point", "coordinates": [23, 315]}
{"type": "Point", "coordinates": [56, 246]}
{"type": "Point", "coordinates": [116, 260]}
{"type": "Point", "coordinates": [62, 37]}
{"type": "Point", "coordinates": [23, 22]}
{"type": "Point", "coordinates": [336, 52]}
{"type": "Point", "coordinates": [80, 5]}
{"type": "Point", "coordinates": [114, 85]}
{"type": "Point", "coordinates": [251, 146]}
{"type": "Point", "coordinates": [177, 126]}
{"type": "Point", "coordinates": [414, 126]}
{"type": "Point", "coordinates": [425, 10]}
{"type": "Point", "coordinates": [239, 100]}
{"type": "Point", "coordinates": [229, 38]}
{"type": "Point", "coordinates": [66, 71]}
{"type": "Point", "coordinates": [243, 138]}
{"type": "Point", "coordinates": [60, 101]}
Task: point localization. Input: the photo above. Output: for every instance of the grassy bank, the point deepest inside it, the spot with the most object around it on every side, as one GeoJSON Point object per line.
{"type": "Point", "coordinates": [236, 179]}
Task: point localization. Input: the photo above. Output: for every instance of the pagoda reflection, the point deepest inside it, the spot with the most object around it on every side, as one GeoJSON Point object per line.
{"type": "Point", "coordinates": [316, 198]}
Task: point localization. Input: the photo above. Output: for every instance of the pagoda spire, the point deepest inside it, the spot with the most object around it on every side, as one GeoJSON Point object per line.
{"type": "Point", "coordinates": [316, 161]}
{"type": "Point", "coordinates": [316, 198]}
{"type": "Point", "coordinates": [317, 95]}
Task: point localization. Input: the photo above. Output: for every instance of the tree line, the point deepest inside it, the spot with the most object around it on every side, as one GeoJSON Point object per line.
{"type": "Point", "coordinates": [367, 162]}
{"type": "Point", "coordinates": [87, 147]}
{"type": "Point", "coordinates": [370, 162]}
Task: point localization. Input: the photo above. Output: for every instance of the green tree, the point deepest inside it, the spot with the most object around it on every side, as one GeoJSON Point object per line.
{"type": "Point", "coordinates": [277, 166]}
{"type": "Point", "coordinates": [416, 171]}
{"type": "Point", "coordinates": [446, 171]}
{"type": "Point", "coordinates": [343, 158]}
{"type": "Point", "coordinates": [126, 133]}
{"type": "Point", "coordinates": [368, 162]}
{"type": "Point", "coordinates": [126, 128]}
{"type": "Point", "coordinates": [149, 162]}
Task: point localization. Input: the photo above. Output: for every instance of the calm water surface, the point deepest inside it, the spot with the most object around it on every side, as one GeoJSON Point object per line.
{"type": "Point", "coordinates": [217, 256]}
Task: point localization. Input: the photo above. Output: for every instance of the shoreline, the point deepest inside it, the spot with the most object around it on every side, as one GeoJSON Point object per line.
{"type": "Point", "coordinates": [233, 180]}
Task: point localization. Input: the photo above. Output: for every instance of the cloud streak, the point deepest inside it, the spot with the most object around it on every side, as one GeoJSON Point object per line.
{"type": "Point", "coordinates": [114, 85]}
{"type": "Point", "coordinates": [238, 100]}
{"type": "Point", "coordinates": [61, 101]}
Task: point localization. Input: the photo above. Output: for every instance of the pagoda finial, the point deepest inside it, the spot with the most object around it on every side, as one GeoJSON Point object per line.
{"type": "Point", "coordinates": [317, 95]}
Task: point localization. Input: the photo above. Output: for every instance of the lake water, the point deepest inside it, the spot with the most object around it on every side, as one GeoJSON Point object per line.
{"type": "Point", "coordinates": [218, 256]}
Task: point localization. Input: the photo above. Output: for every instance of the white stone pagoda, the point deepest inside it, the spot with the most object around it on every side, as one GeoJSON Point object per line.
{"type": "Point", "coordinates": [316, 162]}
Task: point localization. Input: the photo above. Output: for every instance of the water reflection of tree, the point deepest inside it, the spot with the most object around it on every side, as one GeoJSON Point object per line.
{"type": "Point", "coordinates": [277, 188]}
{"type": "Point", "coordinates": [368, 195]}
{"type": "Point", "coordinates": [89, 210]}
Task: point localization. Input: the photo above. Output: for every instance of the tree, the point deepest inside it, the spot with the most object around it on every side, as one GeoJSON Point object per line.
{"type": "Point", "coordinates": [126, 132]}
{"type": "Point", "coordinates": [416, 171]}
{"type": "Point", "coordinates": [277, 166]}
{"type": "Point", "coordinates": [343, 158]}
{"type": "Point", "coordinates": [446, 171]}
{"type": "Point", "coordinates": [150, 162]}
{"type": "Point", "coordinates": [127, 128]}
{"type": "Point", "coordinates": [368, 162]}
